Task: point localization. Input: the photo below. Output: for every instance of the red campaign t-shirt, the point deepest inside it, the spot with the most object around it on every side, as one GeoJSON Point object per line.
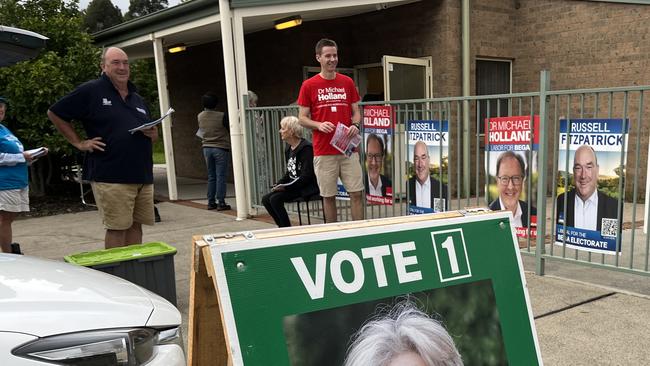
{"type": "Point", "coordinates": [328, 100]}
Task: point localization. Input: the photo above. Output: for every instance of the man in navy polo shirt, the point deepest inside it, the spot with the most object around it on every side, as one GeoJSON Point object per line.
{"type": "Point", "coordinates": [119, 164]}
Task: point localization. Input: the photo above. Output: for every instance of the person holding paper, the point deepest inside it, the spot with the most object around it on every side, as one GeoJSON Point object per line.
{"type": "Point", "coordinates": [586, 207]}
{"type": "Point", "coordinates": [118, 164]}
{"type": "Point", "coordinates": [299, 180]}
{"type": "Point", "coordinates": [326, 100]}
{"type": "Point", "coordinates": [215, 139]}
{"type": "Point", "coordinates": [425, 190]}
{"type": "Point", "coordinates": [14, 182]}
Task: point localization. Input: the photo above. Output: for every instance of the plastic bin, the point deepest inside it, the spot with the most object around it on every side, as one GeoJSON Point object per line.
{"type": "Point", "coordinates": [150, 265]}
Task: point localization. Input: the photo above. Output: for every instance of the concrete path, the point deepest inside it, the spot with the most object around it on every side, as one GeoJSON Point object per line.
{"type": "Point", "coordinates": [584, 316]}
{"type": "Point", "coordinates": [578, 323]}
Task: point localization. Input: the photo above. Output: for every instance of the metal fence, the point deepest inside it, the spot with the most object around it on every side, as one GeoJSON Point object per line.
{"type": "Point", "coordinates": [464, 171]}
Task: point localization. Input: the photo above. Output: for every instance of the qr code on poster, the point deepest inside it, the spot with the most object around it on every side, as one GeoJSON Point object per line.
{"type": "Point", "coordinates": [609, 227]}
{"type": "Point", "coordinates": [438, 204]}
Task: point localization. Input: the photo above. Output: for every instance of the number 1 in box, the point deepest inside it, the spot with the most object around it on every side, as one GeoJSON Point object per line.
{"type": "Point", "coordinates": [451, 254]}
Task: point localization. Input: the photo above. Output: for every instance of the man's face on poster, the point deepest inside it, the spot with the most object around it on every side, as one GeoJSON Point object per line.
{"type": "Point", "coordinates": [510, 180]}
{"type": "Point", "coordinates": [374, 158]}
{"type": "Point", "coordinates": [421, 161]}
{"type": "Point", "coordinates": [585, 172]}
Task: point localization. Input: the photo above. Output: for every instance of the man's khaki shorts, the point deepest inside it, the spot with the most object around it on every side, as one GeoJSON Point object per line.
{"type": "Point", "coordinates": [120, 205]}
{"type": "Point", "coordinates": [329, 167]}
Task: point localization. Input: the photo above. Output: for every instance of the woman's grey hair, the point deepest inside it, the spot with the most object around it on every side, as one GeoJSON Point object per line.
{"type": "Point", "coordinates": [252, 99]}
{"type": "Point", "coordinates": [293, 125]}
{"type": "Point", "coordinates": [404, 329]}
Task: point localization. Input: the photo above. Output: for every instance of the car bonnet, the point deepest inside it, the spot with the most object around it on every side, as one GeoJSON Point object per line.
{"type": "Point", "coordinates": [44, 297]}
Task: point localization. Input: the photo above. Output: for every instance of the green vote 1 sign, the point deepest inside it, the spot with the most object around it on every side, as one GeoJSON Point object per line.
{"type": "Point", "coordinates": [301, 298]}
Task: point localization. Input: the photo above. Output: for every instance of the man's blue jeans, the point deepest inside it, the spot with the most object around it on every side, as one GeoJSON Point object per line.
{"type": "Point", "coordinates": [217, 160]}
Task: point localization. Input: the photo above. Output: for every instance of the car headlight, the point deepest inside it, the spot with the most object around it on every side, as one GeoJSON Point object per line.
{"type": "Point", "coordinates": [117, 347]}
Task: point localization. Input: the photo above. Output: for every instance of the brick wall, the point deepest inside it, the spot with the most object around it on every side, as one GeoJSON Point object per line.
{"type": "Point", "coordinates": [588, 44]}
{"type": "Point", "coordinates": [431, 28]}
{"type": "Point", "coordinates": [275, 61]}
{"type": "Point", "coordinates": [584, 44]}
{"type": "Point", "coordinates": [492, 36]}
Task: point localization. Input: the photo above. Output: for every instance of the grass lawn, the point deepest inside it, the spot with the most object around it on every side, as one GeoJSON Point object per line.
{"type": "Point", "coordinates": [159, 152]}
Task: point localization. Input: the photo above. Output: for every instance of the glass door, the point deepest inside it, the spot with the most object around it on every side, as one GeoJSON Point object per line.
{"type": "Point", "coordinates": [405, 78]}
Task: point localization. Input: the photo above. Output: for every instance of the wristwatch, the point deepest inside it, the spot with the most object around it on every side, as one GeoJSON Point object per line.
{"type": "Point", "coordinates": [357, 125]}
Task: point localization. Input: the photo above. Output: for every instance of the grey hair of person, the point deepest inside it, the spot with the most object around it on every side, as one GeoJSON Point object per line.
{"type": "Point", "coordinates": [102, 58]}
{"type": "Point", "coordinates": [423, 144]}
{"type": "Point", "coordinates": [512, 155]}
{"type": "Point", "coordinates": [586, 147]}
{"type": "Point", "coordinates": [404, 329]}
{"type": "Point", "coordinates": [252, 99]}
{"type": "Point", "coordinates": [293, 125]}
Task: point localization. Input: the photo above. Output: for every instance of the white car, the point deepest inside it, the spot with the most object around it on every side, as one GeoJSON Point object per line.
{"type": "Point", "coordinates": [19, 45]}
{"type": "Point", "coordinates": [54, 313]}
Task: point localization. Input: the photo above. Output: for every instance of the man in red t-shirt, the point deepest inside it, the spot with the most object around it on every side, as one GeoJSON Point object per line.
{"type": "Point", "coordinates": [326, 100]}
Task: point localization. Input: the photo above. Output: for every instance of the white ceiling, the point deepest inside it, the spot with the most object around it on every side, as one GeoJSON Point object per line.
{"type": "Point", "coordinates": [211, 32]}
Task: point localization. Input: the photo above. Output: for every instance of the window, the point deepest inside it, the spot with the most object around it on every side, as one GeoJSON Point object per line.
{"type": "Point", "coordinates": [493, 77]}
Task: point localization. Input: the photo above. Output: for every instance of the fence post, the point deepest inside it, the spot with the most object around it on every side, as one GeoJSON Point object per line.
{"type": "Point", "coordinates": [544, 86]}
{"type": "Point", "coordinates": [249, 135]}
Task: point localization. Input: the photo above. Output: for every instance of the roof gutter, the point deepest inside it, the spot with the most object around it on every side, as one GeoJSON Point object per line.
{"type": "Point", "coordinates": [157, 17]}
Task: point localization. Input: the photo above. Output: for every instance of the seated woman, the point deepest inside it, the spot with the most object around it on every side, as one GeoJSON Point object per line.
{"type": "Point", "coordinates": [299, 180]}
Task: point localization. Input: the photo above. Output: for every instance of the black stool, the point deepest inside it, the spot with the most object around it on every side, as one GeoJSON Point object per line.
{"type": "Point", "coordinates": [301, 199]}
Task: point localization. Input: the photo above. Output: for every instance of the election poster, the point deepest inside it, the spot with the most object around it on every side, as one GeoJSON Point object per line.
{"type": "Point", "coordinates": [315, 338]}
{"type": "Point", "coordinates": [589, 164]}
{"type": "Point", "coordinates": [511, 161]}
{"type": "Point", "coordinates": [301, 296]}
{"type": "Point", "coordinates": [341, 193]}
{"type": "Point", "coordinates": [378, 127]}
{"type": "Point", "coordinates": [427, 166]}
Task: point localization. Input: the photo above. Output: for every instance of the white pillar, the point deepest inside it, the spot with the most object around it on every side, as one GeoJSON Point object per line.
{"type": "Point", "coordinates": [234, 112]}
{"type": "Point", "coordinates": [163, 98]}
{"type": "Point", "coordinates": [242, 86]}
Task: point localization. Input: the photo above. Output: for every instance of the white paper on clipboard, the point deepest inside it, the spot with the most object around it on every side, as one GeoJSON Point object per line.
{"type": "Point", "coordinates": [152, 123]}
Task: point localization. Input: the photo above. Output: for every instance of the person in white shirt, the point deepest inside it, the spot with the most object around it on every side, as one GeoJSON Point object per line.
{"type": "Point", "coordinates": [511, 175]}
{"type": "Point", "coordinates": [424, 190]}
{"type": "Point", "coordinates": [376, 184]}
{"type": "Point", "coordinates": [586, 207]}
